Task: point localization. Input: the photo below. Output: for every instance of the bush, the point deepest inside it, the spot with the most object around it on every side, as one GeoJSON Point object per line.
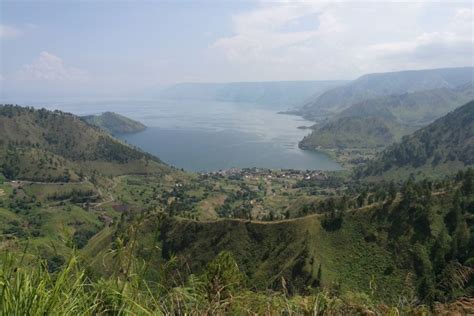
{"type": "Point", "coordinates": [81, 237]}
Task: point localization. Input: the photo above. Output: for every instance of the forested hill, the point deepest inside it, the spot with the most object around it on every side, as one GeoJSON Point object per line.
{"type": "Point", "coordinates": [114, 123]}
{"type": "Point", "coordinates": [383, 84]}
{"type": "Point", "coordinates": [444, 146]}
{"type": "Point", "coordinates": [354, 132]}
{"type": "Point", "coordinates": [416, 108]}
{"type": "Point", "coordinates": [42, 144]}
{"type": "Point", "coordinates": [279, 94]}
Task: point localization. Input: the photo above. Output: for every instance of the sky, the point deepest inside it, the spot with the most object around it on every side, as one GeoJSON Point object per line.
{"type": "Point", "coordinates": [111, 48]}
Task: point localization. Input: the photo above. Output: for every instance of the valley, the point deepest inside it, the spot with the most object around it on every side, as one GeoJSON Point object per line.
{"type": "Point", "coordinates": [395, 224]}
{"type": "Point", "coordinates": [205, 157]}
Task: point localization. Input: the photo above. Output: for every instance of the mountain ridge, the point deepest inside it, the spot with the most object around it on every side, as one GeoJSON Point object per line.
{"type": "Point", "coordinates": [282, 94]}
{"type": "Point", "coordinates": [447, 141]}
{"type": "Point", "coordinates": [371, 86]}
{"type": "Point", "coordinates": [415, 108]}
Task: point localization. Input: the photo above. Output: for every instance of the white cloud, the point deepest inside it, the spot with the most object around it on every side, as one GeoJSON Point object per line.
{"type": "Point", "coordinates": [347, 39]}
{"type": "Point", "coordinates": [7, 31]}
{"type": "Point", "coordinates": [48, 67]}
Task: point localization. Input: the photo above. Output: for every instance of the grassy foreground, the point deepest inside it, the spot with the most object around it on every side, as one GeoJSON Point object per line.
{"type": "Point", "coordinates": [32, 290]}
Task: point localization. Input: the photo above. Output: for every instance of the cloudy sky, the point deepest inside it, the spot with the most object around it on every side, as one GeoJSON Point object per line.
{"type": "Point", "coordinates": [117, 48]}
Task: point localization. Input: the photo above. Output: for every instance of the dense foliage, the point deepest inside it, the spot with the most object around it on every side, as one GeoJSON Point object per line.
{"type": "Point", "coordinates": [449, 139]}
{"type": "Point", "coordinates": [58, 146]}
{"type": "Point", "coordinates": [376, 85]}
{"type": "Point", "coordinates": [354, 132]}
{"type": "Point", "coordinates": [236, 242]}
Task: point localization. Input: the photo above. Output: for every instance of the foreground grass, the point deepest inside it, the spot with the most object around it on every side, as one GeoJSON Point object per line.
{"type": "Point", "coordinates": [29, 289]}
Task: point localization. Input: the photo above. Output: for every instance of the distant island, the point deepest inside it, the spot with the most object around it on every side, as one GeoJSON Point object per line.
{"type": "Point", "coordinates": [114, 123]}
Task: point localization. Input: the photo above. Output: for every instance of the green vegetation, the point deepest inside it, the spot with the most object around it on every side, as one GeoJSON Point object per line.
{"type": "Point", "coordinates": [372, 86]}
{"type": "Point", "coordinates": [41, 145]}
{"type": "Point", "coordinates": [416, 108]}
{"type": "Point", "coordinates": [354, 140]}
{"type": "Point", "coordinates": [353, 132]}
{"type": "Point", "coordinates": [392, 231]}
{"type": "Point", "coordinates": [417, 246]}
{"type": "Point", "coordinates": [115, 231]}
{"type": "Point", "coordinates": [33, 290]}
{"type": "Point", "coordinates": [114, 123]}
{"type": "Point", "coordinates": [442, 147]}
{"type": "Point", "coordinates": [356, 121]}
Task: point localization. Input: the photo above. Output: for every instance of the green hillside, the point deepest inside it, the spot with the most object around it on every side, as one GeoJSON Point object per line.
{"type": "Point", "coordinates": [57, 146]}
{"type": "Point", "coordinates": [444, 146]}
{"type": "Point", "coordinates": [114, 123]}
{"type": "Point", "coordinates": [420, 233]}
{"type": "Point", "coordinates": [354, 140]}
{"type": "Point", "coordinates": [416, 108]}
{"type": "Point", "coordinates": [134, 236]}
{"type": "Point", "coordinates": [354, 132]}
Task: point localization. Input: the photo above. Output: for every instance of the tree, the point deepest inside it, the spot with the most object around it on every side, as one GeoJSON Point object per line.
{"type": "Point", "coordinates": [222, 276]}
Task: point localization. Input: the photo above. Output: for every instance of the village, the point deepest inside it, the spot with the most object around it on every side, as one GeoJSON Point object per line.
{"type": "Point", "coordinates": [259, 173]}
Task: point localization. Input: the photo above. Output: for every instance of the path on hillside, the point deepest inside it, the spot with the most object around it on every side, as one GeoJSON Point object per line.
{"type": "Point", "coordinates": [289, 220]}
{"type": "Point", "coordinates": [280, 221]}
{"type": "Point", "coordinates": [111, 198]}
{"type": "Point", "coordinates": [23, 182]}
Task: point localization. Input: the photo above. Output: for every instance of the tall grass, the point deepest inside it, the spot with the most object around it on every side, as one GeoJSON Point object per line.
{"type": "Point", "coordinates": [29, 289]}
{"type": "Point", "coordinates": [26, 290]}
{"type": "Point", "coordinates": [32, 290]}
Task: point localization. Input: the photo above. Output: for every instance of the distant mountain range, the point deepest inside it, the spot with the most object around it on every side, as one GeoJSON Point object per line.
{"type": "Point", "coordinates": [373, 86]}
{"type": "Point", "coordinates": [441, 147]}
{"type": "Point", "coordinates": [275, 94]}
{"type": "Point", "coordinates": [376, 110]}
{"type": "Point", "coordinates": [416, 108]}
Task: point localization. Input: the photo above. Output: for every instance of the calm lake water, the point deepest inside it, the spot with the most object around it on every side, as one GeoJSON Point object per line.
{"type": "Point", "coordinates": [208, 136]}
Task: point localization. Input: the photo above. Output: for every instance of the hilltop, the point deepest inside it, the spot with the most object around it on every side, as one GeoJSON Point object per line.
{"type": "Point", "coordinates": [114, 123]}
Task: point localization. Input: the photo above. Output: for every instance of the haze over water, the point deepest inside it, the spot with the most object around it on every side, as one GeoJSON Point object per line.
{"type": "Point", "coordinates": [209, 135]}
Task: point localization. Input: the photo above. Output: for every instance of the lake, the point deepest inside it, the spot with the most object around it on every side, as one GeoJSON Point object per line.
{"type": "Point", "coordinates": [210, 135]}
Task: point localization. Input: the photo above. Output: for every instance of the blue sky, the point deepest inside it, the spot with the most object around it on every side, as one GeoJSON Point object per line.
{"type": "Point", "coordinates": [116, 48]}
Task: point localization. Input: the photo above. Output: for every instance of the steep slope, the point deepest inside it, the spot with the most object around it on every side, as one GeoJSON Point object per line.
{"type": "Point", "coordinates": [354, 132]}
{"type": "Point", "coordinates": [445, 145]}
{"type": "Point", "coordinates": [409, 239]}
{"type": "Point", "coordinates": [382, 84]}
{"type": "Point", "coordinates": [114, 123]}
{"type": "Point", "coordinates": [60, 141]}
{"type": "Point", "coordinates": [416, 108]}
{"type": "Point", "coordinates": [267, 252]}
{"type": "Point", "coordinates": [281, 94]}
